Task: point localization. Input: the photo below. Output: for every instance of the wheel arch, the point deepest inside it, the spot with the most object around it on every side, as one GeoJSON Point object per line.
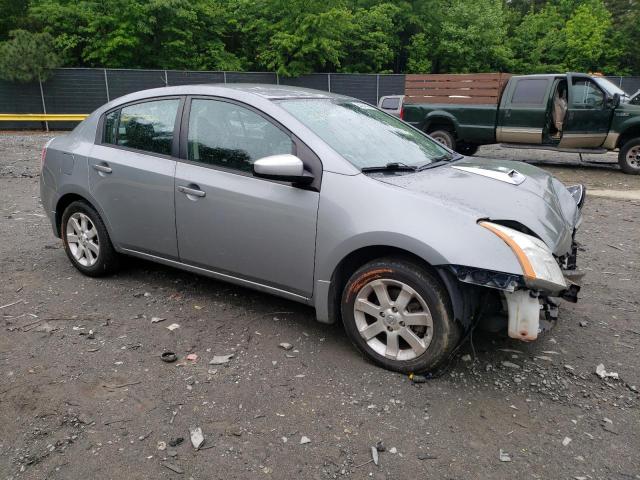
{"type": "Point", "coordinates": [632, 131]}
{"type": "Point", "coordinates": [440, 118]}
{"type": "Point", "coordinates": [352, 261]}
{"type": "Point", "coordinates": [71, 195]}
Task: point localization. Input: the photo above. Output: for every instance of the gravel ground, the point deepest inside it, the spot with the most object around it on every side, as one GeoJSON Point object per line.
{"type": "Point", "coordinates": [83, 393]}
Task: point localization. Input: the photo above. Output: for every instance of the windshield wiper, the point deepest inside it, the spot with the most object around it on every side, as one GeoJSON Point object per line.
{"type": "Point", "coordinates": [391, 167]}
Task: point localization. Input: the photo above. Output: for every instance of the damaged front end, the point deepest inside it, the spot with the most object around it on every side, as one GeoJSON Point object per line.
{"type": "Point", "coordinates": [524, 304]}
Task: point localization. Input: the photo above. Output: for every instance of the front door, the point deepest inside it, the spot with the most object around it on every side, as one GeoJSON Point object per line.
{"type": "Point", "coordinates": [131, 175]}
{"type": "Point", "coordinates": [228, 220]}
{"type": "Point", "coordinates": [588, 116]}
{"type": "Point", "coordinates": [523, 110]}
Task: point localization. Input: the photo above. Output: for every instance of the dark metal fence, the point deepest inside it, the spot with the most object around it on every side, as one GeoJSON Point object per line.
{"type": "Point", "coordinates": [82, 90]}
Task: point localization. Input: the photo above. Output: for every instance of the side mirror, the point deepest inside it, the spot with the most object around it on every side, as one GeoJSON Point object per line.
{"type": "Point", "coordinates": [615, 100]}
{"type": "Point", "coordinates": [286, 168]}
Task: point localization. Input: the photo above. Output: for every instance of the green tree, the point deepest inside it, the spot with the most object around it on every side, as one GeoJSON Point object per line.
{"type": "Point", "coordinates": [587, 33]}
{"type": "Point", "coordinates": [27, 57]}
{"type": "Point", "coordinates": [419, 52]}
{"type": "Point", "coordinates": [472, 37]}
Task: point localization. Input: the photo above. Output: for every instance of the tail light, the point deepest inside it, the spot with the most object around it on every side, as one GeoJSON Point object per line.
{"type": "Point", "coordinates": [402, 112]}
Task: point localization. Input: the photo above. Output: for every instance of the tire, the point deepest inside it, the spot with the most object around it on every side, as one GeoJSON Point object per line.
{"type": "Point", "coordinates": [467, 149]}
{"type": "Point", "coordinates": [629, 156]}
{"type": "Point", "coordinates": [445, 137]}
{"type": "Point", "coordinates": [86, 241]}
{"type": "Point", "coordinates": [432, 323]}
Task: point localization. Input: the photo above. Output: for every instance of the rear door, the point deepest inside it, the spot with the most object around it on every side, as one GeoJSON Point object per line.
{"type": "Point", "coordinates": [231, 222]}
{"type": "Point", "coordinates": [131, 174]}
{"type": "Point", "coordinates": [523, 110]}
{"type": "Point", "coordinates": [588, 114]}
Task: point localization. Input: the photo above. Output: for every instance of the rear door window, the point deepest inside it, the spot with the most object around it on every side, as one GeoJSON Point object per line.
{"type": "Point", "coordinates": [144, 126]}
{"type": "Point", "coordinates": [530, 91]}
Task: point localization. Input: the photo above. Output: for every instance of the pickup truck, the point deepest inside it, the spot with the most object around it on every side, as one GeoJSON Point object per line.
{"type": "Point", "coordinates": [522, 111]}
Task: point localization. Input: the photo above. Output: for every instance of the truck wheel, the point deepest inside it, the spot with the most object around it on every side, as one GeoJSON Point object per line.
{"type": "Point", "coordinates": [467, 149]}
{"type": "Point", "coordinates": [445, 137]}
{"type": "Point", "coordinates": [399, 316]}
{"type": "Point", "coordinates": [629, 157]}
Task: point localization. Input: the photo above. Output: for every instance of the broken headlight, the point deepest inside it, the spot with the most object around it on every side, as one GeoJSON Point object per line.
{"type": "Point", "coordinates": [541, 270]}
{"type": "Point", "coordinates": [578, 193]}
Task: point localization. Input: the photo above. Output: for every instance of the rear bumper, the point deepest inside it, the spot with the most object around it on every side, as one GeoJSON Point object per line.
{"type": "Point", "coordinates": [47, 196]}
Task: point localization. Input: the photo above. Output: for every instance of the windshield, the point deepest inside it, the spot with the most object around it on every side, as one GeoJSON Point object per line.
{"type": "Point", "coordinates": [610, 88]}
{"type": "Point", "coordinates": [364, 135]}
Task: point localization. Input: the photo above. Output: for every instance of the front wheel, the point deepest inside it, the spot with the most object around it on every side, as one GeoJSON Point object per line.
{"type": "Point", "coordinates": [629, 156]}
{"type": "Point", "coordinates": [398, 315]}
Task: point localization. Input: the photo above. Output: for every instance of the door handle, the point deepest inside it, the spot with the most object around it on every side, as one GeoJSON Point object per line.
{"type": "Point", "coordinates": [102, 168]}
{"type": "Point", "coordinates": [192, 191]}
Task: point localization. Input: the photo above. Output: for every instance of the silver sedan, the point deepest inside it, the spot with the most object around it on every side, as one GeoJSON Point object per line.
{"type": "Point", "coordinates": [321, 199]}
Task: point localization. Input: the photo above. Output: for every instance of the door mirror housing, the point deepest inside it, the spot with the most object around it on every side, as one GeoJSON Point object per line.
{"type": "Point", "coordinates": [285, 167]}
{"type": "Point", "coordinates": [615, 100]}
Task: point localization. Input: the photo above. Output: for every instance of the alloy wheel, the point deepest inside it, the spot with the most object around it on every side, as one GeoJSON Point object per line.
{"type": "Point", "coordinates": [82, 238]}
{"type": "Point", "coordinates": [633, 157]}
{"type": "Point", "coordinates": [393, 319]}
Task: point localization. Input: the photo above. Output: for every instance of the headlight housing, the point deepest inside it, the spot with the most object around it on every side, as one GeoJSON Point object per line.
{"type": "Point", "coordinates": [540, 269]}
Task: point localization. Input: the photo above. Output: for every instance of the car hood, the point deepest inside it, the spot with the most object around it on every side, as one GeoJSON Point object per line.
{"type": "Point", "coordinates": [500, 190]}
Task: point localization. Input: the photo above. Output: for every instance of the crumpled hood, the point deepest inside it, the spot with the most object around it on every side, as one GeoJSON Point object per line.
{"type": "Point", "coordinates": [540, 202]}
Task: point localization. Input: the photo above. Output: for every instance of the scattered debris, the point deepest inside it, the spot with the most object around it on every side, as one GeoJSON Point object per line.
{"type": "Point", "coordinates": [583, 324]}
{"type": "Point", "coordinates": [417, 378]}
{"type": "Point", "coordinates": [466, 358]}
{"type": "Point", "coordinates": [304, 440]}
{"type": "Point", "coordinates": [11, 304]}
{"type": "Point", "coordinates": [504, 456]}
{"type": "Point", "coordinates": [145, 436]}
{"type": "Point", "coordinates": [174, 442]}
{"type": "Point", "coordinates": [285, 346]}
{"type": "Point", "coordinates": [220, 359]}
{"type": "Point", "coordinates": [427, 456]}
{"type": "Point", "coordinates": [173, 326]}
{"type": "Point", "coordinates": [162, 445]}
{"type": "Point", "coordinates": [510, 365]}
{"type": "Point", "coordinates": [393, 450]}
{"type": "Point", "coordinates": [173, 468]}
{"type": "Point", "coordinates": [192, 357]}
{"type": "Point", "coordinates": [566, 441]}
{"type": "Point", "coordinates": [380, 446]}
{"type": "Point", "coordinates": [197, 437]}
{"type": "Point", "coordinates": [602, 373]}
{"type": "Point", "coordinates": [157, 319]}
{"type": "Point", "coordinates": [374, 455]}
{"type": "Point", "coordinates": [46, 327]}
{"type": "Point", "coordinates": [168, 357]}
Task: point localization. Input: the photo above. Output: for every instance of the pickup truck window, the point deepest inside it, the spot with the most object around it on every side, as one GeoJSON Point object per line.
{"type": "Point", "coordinates": [585, 94]}
{"type": "Point", "coordinates": [391, 103]}
{"type": "Point", "coordinates": [530, 91]}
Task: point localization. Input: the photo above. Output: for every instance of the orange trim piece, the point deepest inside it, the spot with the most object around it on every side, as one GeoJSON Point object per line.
{"type": "Point", "coordinates": [527, 269]}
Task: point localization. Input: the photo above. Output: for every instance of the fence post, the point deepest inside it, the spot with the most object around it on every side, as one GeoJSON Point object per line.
{"type": "Point", "coordinates": [377, 88]}
{"type": "Point", "coordinates": [328, 82]}
{"type": "Point", "coordinates": [106, 84]}
{"type": "Point", "coordinates": [44, 106]}
{"type": "Point", "coordinates": [277, 79]}
{"type": "Point", "coordinates": [224, 75]}
{"type": "Point", "coordinates": [166, 79]}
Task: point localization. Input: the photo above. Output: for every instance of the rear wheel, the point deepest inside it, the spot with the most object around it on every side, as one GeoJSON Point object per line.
{"type": "Point", "coordinates": [629, 156]}
{"type": "Point", "coordinates": [445, 137]}
{"type": "Point", "coordinates": [86, 241]}
{"type": "Point", "coordinates": [398, 315]}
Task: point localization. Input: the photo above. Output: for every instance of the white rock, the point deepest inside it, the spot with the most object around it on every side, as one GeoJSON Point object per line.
{"type": "Point", "coordinates": [393, 450]}
{"type": "Point", "coordinates": [197, 437]}
{"type": "Point", "coordinates": [304, 440]}
{"type": "Point", "coordinates": [566, 441]}
{"type": "Point", "coordinates": [157, 319]}
{"type": "Point", "coordinates": [220, 359]}
{"type": "Point", "coordinates": [285, 346]}
{"type": "Point", "coordinates": [173, 326]}
{"type": "Point", "coordinates": [602, 373]}
{"type": "Point", "coordinates": [504, 456]}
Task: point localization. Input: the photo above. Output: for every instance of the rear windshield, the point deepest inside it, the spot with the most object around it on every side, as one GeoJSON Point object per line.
{"type": "Point", "coordinates": [364, 135]}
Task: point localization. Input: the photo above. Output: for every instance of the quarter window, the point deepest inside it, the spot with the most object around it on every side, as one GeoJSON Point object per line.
{"type": "Point", "coordinates": [232, 136]}
{"type": "Point", "coordinates": [530, 91]}
{"type": "Point", "coordinates": [585, 94]}
{"type": "Point", "coordinates": [144, 126]}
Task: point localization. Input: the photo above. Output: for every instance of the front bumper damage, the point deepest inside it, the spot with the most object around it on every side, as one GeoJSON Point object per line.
{"type": "Point", "coordinates": [524, 311]}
